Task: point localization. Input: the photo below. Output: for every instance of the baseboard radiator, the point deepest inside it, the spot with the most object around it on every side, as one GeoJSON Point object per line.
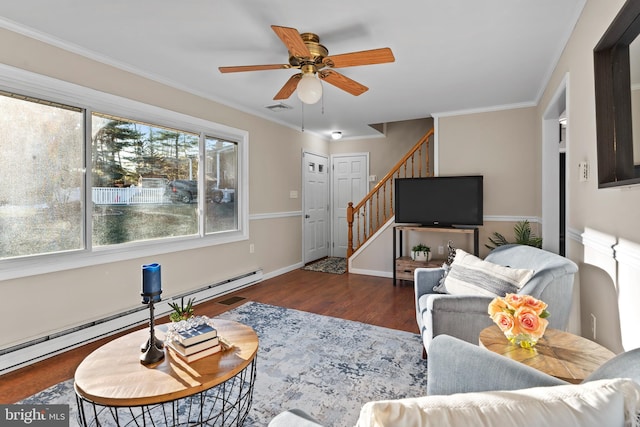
{"type": "Point", "coordinates": [24, 354]}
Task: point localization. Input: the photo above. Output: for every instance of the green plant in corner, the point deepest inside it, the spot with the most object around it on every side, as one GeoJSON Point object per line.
{"type": "Point", "coordinates": [181, 312]}
{"type": "Point", "coordinates": [522, 232]}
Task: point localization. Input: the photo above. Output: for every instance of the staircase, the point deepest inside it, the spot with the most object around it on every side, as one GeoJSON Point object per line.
{"type": "Point", "coordinates": [368, 216]}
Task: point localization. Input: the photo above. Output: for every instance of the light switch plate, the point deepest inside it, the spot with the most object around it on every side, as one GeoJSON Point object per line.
{"type": "Point", "coordinates": [583, 171]}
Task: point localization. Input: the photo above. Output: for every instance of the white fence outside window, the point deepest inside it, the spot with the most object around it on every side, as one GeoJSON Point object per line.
{"type": "Point", "coordinates": [127, 195]}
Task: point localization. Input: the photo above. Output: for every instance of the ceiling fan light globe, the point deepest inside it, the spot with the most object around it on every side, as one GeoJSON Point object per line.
{"type": "Point", "coordinates": [309, 89]}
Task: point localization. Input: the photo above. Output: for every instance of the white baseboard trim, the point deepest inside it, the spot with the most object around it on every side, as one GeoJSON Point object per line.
{"type": "Point", "coordinates": [387, 274]}
{"type": "Point", "coordinates": [280, 271]}
{"type": "Point", "coordinates": [45, 347]}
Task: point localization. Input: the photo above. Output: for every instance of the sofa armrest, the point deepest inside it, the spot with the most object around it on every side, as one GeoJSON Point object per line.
{"type": "Point", "coordinates": [294, 418]}
{"type": "Point", "coordinates": [461, 316]}
{"type": "Point", "coordinates": [456, 366]}
{"type": "Point", "coordinates": [424, 279]}
{"type": "Point", "coordinates": [473, 304]}
{"type": "Point", "coordinates": [624, 365]}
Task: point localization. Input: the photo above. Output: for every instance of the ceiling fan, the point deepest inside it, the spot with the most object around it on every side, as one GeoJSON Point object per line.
{"type": "Point", "coordinates": [311, 58]}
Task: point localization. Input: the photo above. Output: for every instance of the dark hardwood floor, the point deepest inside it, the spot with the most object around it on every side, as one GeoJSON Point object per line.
{"type": "Point", "coordinates": [367, 299]}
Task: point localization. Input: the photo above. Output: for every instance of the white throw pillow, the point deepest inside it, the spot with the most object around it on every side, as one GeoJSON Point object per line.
{"type": "Point", "coordinates": [593, 404]}
{"type": "Point", "coordinates": [470, 275]}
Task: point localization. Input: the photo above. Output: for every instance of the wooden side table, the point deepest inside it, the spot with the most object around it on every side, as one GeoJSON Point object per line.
{"type": "Point", "coordinates": [560, 354]}
{"type": "Point", "coordinates": [114, 388]}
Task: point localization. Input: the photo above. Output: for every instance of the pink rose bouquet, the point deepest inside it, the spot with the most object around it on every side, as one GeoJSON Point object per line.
{"type": "Point", "coordinates": [522, 318]}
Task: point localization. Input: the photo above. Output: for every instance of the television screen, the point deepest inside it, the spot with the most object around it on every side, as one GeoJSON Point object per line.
{"type": "Point", "coordinates": [439, 201]}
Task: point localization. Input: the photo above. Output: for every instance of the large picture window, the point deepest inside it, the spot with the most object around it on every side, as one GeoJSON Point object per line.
{"type": "Point", "coordinates": [145, 181]}
{"type": "Point", "coordinates": [91, 181]}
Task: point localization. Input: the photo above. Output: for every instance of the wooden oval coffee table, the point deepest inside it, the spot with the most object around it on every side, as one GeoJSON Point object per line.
{"type": "Point", "coordinates": [114, 388]}
{"type": "Point", "coordinates": [560, 354]}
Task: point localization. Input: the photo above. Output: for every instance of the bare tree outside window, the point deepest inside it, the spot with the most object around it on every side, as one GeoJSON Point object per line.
{"type": "Point", "coordinates": [134, 166]}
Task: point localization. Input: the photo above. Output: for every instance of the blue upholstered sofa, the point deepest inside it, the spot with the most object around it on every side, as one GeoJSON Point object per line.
{"type": "Point", "coordinates": [465, 315]}
{"type": "Point", "coordinates": [470, 382]}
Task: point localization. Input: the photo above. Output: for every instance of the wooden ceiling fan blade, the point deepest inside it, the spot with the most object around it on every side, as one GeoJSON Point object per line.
{"type": "Point", "coordinates": [365, 57]}
{"type": "Point", "coordinates": [292, 40]}
{"type": "Point", "coordinates": [240, 68]}
{"type": "Point", "coordinates": [342, 82]}
{"type": "Point", "coordinates": [289, 87]}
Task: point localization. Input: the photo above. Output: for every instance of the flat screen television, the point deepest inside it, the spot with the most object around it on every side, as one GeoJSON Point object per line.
{"type": "Point", "coordinates": [439, 201]}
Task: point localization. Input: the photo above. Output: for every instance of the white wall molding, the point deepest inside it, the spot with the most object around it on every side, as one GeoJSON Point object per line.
{"type": "Point", "coordinates": [509, 218]}
{"type": "Point", "coordinates": [575, 235]}
{"type": "Point", "coordinates": [484, 110]}
{"type": "Point", "coordinates": [628, 253]}
{"type": "Point", "coordinates": [272, 215]}
{"type": "Point", "coordinates": [599, 242]}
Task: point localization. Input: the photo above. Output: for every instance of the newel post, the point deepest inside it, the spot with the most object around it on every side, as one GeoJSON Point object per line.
{"type": "Point", "coordinates": [350, 228]}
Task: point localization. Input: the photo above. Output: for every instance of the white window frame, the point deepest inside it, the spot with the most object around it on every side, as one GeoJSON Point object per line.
{"type": "Point", "coordinates": [39, 86]}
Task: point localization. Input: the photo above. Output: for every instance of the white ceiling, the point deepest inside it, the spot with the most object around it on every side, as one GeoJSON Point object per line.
{"type": "Point", "coordinates": [451, 55]}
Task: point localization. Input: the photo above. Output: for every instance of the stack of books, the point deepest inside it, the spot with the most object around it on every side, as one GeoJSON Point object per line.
{"type": "Point", "coordinates": [196, 343]}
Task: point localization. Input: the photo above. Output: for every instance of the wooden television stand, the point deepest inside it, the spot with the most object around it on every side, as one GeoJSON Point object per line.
{"type": "Point", "coordinates": [404, 266]}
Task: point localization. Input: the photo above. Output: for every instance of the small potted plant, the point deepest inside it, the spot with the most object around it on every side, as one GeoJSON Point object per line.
{"type": "Point", "coordinates": [420, 252]}
{"type": "Point", "coordinates": [181, 312]}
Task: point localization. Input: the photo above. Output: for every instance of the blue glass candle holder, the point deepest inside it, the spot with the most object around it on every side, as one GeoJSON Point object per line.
{"type": "Point", "coordinates": [153, 348]}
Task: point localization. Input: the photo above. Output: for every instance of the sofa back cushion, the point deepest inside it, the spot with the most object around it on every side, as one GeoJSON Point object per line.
{"type": "Point", "coordinates": [592, 404]}
{"type": "Point", "coordinates": [470, 275]}
{"type": "Point", "coordinates": [552, 281]}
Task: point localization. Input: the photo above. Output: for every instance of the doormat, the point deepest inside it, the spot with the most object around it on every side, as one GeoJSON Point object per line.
{"type": "Point", "coordinates": [334, 265]}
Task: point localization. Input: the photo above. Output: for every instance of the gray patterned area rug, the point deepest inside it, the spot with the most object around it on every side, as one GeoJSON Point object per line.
{"type": "Point", "coordinates": [333, 265]}
{"type": "Point", "coordinates": [325, 366]}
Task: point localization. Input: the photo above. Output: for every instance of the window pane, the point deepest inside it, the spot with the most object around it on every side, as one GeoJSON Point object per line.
{"type": "Point", "coordinates": [41, 171]}
{"type": "Point", "coordinates": [221, 177]}
{"type": "Point", "coordinates": [145, 181]}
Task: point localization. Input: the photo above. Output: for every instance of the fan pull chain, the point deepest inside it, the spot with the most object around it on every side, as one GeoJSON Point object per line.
{"type": "Point", "coordinates": [302, 117]}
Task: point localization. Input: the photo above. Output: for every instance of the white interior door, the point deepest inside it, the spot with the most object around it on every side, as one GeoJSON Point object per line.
{"type": "Point", "coordinates": [350, 184]}
{"type": "Point", "coordinates": [316, 206]}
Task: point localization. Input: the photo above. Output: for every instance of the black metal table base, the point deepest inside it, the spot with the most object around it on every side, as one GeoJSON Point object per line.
{"type": "Point", "coordinates": [226, 404]}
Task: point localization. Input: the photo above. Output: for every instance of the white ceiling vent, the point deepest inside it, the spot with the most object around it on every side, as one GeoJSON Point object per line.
{"type": "Point", "coordinates": [278, 107]}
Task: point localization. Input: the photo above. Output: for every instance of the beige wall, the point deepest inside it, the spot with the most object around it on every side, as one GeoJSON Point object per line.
{"type": "Point", "coordinates": [609, 210]}
{"type": "Point", "coordinates": [386, 150]}
{"type": "Point", "coordinates": [608, 284]}
{"type": "Point", "coordinates": [57, 301]}
{"type": "Point", "coordinates": [504, 147]}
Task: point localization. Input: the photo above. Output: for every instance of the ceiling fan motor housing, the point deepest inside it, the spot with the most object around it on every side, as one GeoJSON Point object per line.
{"type": "Point", "coordinates": [318, 52]}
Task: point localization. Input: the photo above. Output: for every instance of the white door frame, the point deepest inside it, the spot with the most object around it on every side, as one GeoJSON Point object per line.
{"type": "Point", "coordinates": [551, 170]}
